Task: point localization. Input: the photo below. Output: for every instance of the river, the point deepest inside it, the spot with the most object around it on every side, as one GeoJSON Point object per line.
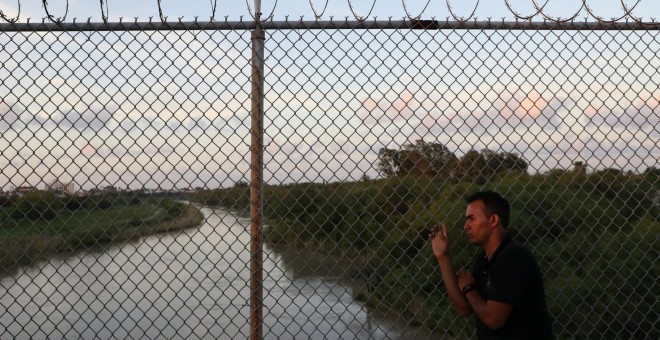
{"type": "Point", "coordinates": [193, 284]}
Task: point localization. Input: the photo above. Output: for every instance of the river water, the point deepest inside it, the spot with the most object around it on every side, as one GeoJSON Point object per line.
{"type": "Point", "coordinates": [193, 284]}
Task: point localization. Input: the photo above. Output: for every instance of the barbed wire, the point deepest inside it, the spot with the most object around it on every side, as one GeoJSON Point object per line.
{"type": "Point", "coordinates": [405, 8]}
{"type": "Point", "coordinates": [11, 20]}
{"type": "Point", "coordinates": [558, 19]}
{"type": "Point", "coordinates": [461, 19]}
{"type": "Point", "coordinates": [627, 13]}
{"type": "Point", "coordinates": [254, 15]}
{"type": "Point", "coordinates": [358, 17]}
{"type": "Point", "coordinates": [52, 17]}
{"type": "Point", "coordinates": [316, 15]}
{"type": "Point", "coordinates": [521, 17]}
{"type": "Point", "coordinates": [104, 13]}
{"type": "Point", "coordinates": [540, 12]}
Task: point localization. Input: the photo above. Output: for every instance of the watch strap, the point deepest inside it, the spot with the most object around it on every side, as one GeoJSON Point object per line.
{"type": "Point", "coordinates": [468, 288]}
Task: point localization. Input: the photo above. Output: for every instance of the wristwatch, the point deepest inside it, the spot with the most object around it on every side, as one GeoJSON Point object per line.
{"type": "Point", "coordinates": [468, 288]}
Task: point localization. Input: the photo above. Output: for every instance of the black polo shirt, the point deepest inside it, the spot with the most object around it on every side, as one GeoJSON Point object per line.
{"type": "Point", "coordinates": [512, 276]}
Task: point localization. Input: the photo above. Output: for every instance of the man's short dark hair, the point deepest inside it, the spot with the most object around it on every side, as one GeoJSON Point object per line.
{"type": "Point", "coordinates": [494, 203]}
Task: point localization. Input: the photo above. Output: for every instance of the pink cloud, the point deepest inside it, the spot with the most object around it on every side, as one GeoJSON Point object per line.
{"type": "Point", "coordinates": [591, 111]}
{"type": "Point", "coordinates": [533, 105]}
{"type": "Point", "coordinates": [428, 121]}
{"type": "Point", "coordinates": [272, 146]}
{"type": "Point", "coordinates": [401, 108]}
{"type": "Point", "coordinates": [527, 105]}
{"type": "Point", "coordinates": [369, 104]}
{"type": "Point", "coordinates": [88, 150]}
{"type": "Point", "coordinates": [280, 146]}
{"type": "Point", "coordinates": [508, 110]}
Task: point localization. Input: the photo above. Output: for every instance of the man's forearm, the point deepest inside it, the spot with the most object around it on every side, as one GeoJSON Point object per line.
{"type": "Point", "coordinates": [491, 313]}
{"type": "Point", "coordinates": [455, 295]}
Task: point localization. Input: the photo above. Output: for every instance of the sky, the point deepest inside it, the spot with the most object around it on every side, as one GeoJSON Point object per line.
{"type": "Point", "coordinates": [83, 9]}
{"type": "Point", "coordinates": [171, 109]}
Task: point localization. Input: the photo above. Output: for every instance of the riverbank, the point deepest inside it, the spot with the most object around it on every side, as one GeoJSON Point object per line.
{"type": "Point", "coordinates": [24, 241]}
{"type": "Point", "coordinates": [308, 262]}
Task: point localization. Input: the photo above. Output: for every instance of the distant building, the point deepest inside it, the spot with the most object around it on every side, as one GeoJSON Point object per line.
{"type": "Point", "coordinates": [61, 188]}
{"type": "Point", "coordinates": [24, 190]}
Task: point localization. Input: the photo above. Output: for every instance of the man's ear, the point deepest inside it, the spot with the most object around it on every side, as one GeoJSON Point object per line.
{"type": "Point", "coordinates": [494, 220]}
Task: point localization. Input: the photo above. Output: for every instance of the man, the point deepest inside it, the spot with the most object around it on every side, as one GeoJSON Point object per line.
{"type": "Point", "coordinates": [505, 290]}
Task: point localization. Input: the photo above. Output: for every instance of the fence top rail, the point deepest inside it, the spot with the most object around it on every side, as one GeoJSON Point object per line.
{"type": "Point", "coordinates": [180, 25]}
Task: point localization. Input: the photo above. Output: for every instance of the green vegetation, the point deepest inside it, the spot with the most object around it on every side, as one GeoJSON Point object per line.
{"type": "Point", "coordinates": [595, 236]}
{"type": "Point", "coordinates": [435, 160]}
{"type": "Point", "coordinates": [39, 225]}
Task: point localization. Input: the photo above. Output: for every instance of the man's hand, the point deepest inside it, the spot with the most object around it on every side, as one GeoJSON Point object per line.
{"type": "Point", "coordinates": [439, 242]}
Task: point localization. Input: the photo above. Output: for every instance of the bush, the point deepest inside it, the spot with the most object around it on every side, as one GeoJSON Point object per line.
{"type": "Point", "coordinates": [36, 206]}
{"type": "Point", "coordinates": [73, 203]}
{"type": "Point", "coordinates": [103, 202]}
{"type": "Point", "coordinates": [173, 209]}
{"type": "Point", "coordinates": [4, 201]}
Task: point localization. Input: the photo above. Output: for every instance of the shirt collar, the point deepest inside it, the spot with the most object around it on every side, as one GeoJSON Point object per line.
{"type": "Point", "coordinates": [506, 239]}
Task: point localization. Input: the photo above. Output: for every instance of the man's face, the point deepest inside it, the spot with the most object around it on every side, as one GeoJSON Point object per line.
{"type": "Point", "coordinates": [477, 223]}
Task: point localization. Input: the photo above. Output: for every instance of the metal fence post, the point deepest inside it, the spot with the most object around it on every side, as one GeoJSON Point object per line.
{"type": "Point", "coordinates": [256, 189]}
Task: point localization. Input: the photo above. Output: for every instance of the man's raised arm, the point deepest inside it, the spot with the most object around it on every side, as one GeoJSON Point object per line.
{"type": "Point", "coordinates": [440, 244]}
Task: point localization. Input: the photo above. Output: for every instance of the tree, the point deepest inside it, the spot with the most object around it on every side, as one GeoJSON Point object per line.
{"type": "Point", "coordinates": [579, 168]}
{"type": "Point", "coordinates": [419, 159]}
{"type": "Point", "coordinates": [388, 161]}
{"type": "Point", "coordinates": [502, 161]}
{"type": "Point", "coordinates": [480, 166]}
{"type": "Point", "coordinates": [435, 160]}
{"type": "Point", "coordinates": [429, 159]}
{"type": "Point", "coordinates": [507, 161]}
{"type": "Point", "coordinates": [472, 167]}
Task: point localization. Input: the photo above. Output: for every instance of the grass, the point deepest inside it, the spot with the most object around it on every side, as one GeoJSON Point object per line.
{"type": "Point", "coordinates": [23, 242]}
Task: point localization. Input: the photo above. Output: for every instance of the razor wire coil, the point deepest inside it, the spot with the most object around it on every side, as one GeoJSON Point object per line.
{"type": "Point", "coordinates": [540, 12]}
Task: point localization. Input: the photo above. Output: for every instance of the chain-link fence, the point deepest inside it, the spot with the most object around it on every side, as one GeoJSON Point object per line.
{"type": "Point", "coordinates": [126, 155]}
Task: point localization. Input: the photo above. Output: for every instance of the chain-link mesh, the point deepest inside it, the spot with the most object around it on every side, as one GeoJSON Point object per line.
{"type": "Point", "coordinates": [125, 160]}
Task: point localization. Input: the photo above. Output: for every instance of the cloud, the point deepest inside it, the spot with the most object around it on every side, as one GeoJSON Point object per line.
{"type": "Point", "coordinates": [392, 107]}
{"type": "Point", "coordinates": [93, 118]}
{"type": "Point", "coordinates": [137, 123]}
{"type": "Point", "coordinates": [10, 116]}
{"type": "Point", "coordinates": [506, 112]}
{"type": "Point", "coordinates": [402, 106]}
{"type": "Point", "coordinates": [7, 116]}
{"type": "Point", "coordinates": [152, 150]}
{"type": "Point", "coordinates": [532, 108]}
{"type": "Point", "coordinates": [642, 114]}
{"type": "Point", "coordinates": [369, 104]}
{"type": "Point", "coordinates": [89, 151]}
{"type": "Point", "coordinates": [646, 111]}
{"type": "Point", "coordinates": [527, 105]}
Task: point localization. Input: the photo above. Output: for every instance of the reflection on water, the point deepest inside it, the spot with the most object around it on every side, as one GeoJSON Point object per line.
{"type": "Point", "coordinates": [188, 285]}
